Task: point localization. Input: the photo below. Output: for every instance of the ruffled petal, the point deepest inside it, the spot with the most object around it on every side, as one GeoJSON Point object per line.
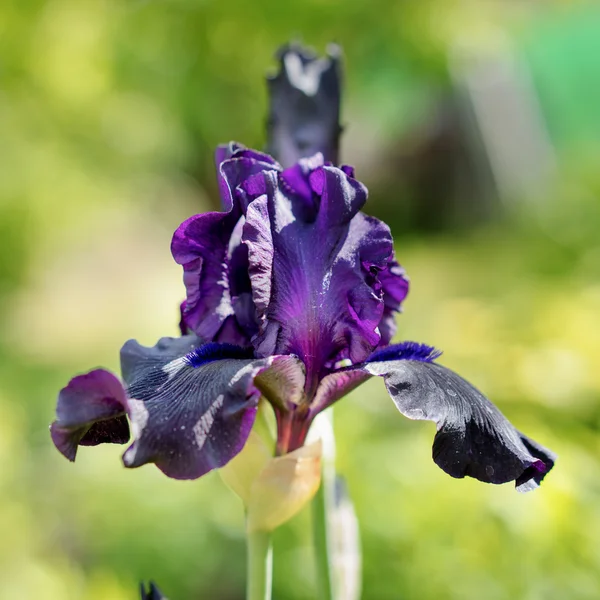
{"type": "Point", "coordinates": [90, 411]}
{"type": "Point", "coordinates": [474, 438]}
{"type": "Point", "coordinates": [315, 282]}
{"type": "Point", "coordinates": [215, 264]}
{"type": "Point", "coordinates": [235, 164]}
{"type": "Point", "coordinates": [201, 245]}
{"type": "Point", "coordinates": [296, 183]}
{"type": "Point", "coordinates": [218, 305]}
{"type": "Point", "coordinates": [395, 286]}
{"type": "Point", "coordinates": [278, 223]}
{"type": "Point", "coordinates": [192, 407]}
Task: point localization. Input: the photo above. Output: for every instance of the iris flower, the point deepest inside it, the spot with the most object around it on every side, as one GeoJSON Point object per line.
{"type": "Point", "coordinates": [151, 593]}
{"type": "Point", "coordinates": [292, 293]}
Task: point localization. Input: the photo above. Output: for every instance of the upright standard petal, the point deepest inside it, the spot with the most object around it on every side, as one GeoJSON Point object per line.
{"type": "Point", "coordinates": [395, 285]}
{"type": "Point", "coordinates": [90, 411]}
{"type": "Point", "coordinates": [315, 279]}
{"type": "Point", "coordinates": [218, 302]}
{"type": "Point", "coordinates": [235, 164]}
{"type": "Point", "coordinates": [304, 106]}
{"type": "Point", "coordinates": [200, 245]}
{"type": "Point", "coordinates": [474, 438]}
{"type": "Point", "coordinates": [192, 406]}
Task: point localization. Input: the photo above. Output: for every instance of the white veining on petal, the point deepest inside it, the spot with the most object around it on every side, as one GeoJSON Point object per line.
{"type": "Point", "coordinates": [173, 367]}
{"type": "Point", "coordinates": [205, 422]}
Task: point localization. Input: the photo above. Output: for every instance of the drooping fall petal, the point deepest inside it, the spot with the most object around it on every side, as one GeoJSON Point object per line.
{"type": "Point", "coordinates": [193, 406]}
{"type": "Point", "coordinates": [90, 411]}
{"type": "Point", "coordinates": [473, 439]}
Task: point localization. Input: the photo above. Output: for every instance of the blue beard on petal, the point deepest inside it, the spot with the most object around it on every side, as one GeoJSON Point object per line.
{"type": "Point", "coordinates": [406, 351]}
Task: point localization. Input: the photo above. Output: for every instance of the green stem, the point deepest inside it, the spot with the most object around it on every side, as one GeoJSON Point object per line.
{"type": "Point", "coordinates": [259, 565]}
{"type": "Point", "coordinates": [321, 541]}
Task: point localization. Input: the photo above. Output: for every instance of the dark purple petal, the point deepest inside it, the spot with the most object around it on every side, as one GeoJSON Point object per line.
{"type": "Point", "coordinates": [474, 438]}
{"type": "Point", "coordinates": [111, 431]}
{"type": "Point", "coordinates": [215, 274]}
{"type": "Point", "coordinates": [395, 285]}
{"type": "Point", "coordinates": [258, 239]}
{"type": "Point", "coordinates": [341, 196]}
{"type": "Point", "coordinates": [218, 303]}
{"type": "Point", "coordinates": [192, 407]}
{"type": "Point", "coordinates": [231, 332]}
{"type": "Point", "coordinates": [240, 289]}
{"type": "Point", "coordinates": [335, 386]}
{"type": "Point", "coordinates": [295, 182]}
{"type": "Point", "coordinates": [183, 328]}
{"type": "Point", "coordinates": [305, 105]}
{"type": "Point", "coordinates": [315, 283]}
{"type": "Point", "coordinates": [90, 411]}
{"type": "Point", "coordinates": [236, 164]}
{"type": "Point", "coordinates": [200, 245]}
{"type": "Point", "coordinates": [348, 169]}
{"type": "Point", "coordinates": [136, 359]}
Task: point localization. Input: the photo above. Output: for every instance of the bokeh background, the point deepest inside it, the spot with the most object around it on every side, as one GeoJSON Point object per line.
{"type": "Point", "coordinates": [476, 126]}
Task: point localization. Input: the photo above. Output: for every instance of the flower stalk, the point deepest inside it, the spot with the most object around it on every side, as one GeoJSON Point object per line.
{"type": "Point", "coordinates": [259, 562]}
{"type": "Point", "coordinates": [321, 507]}
{"type": "Point", "coordinates": [321, 540]}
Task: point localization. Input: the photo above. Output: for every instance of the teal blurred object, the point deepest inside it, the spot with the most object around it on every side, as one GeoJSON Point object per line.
{"type": "Point", "coordinates": [109, 112]}
{"type": "Point", "coordinates": [564, 55]}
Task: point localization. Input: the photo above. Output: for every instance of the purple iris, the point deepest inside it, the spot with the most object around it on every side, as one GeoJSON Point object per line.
{"type": "Point", "coordinates": [291, 296]}
{"type": "Point", "coordinates": [151, 593]}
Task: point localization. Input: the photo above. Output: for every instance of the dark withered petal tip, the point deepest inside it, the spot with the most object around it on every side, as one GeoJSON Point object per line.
{"type": "Point", "coordinates": [533, 475]}
{"type": "Point", "coordinates": [152, 593]}
{"type": "Point", "coordinates": [304, 104]}
{"type": "Point", "coordinates": [333, 51]}
{"type": "Point", "coordinates": [330, 64]}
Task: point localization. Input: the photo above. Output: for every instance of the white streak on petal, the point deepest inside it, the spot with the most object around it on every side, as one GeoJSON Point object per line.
{"type": "Point", "coordinates": [172, 368]}
{"type": "Point", "coordinates": [241, 373]}
{"type": "Point", "coordinates": [205, 422]}
{"type": "Point", "coordinates": [305, 78]}
{"type": "Point", "coordinates": [138, 415]}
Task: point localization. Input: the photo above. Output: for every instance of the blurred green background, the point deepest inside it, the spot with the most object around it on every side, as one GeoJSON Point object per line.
{"type": "Point", "coordinates": [475, 124]}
